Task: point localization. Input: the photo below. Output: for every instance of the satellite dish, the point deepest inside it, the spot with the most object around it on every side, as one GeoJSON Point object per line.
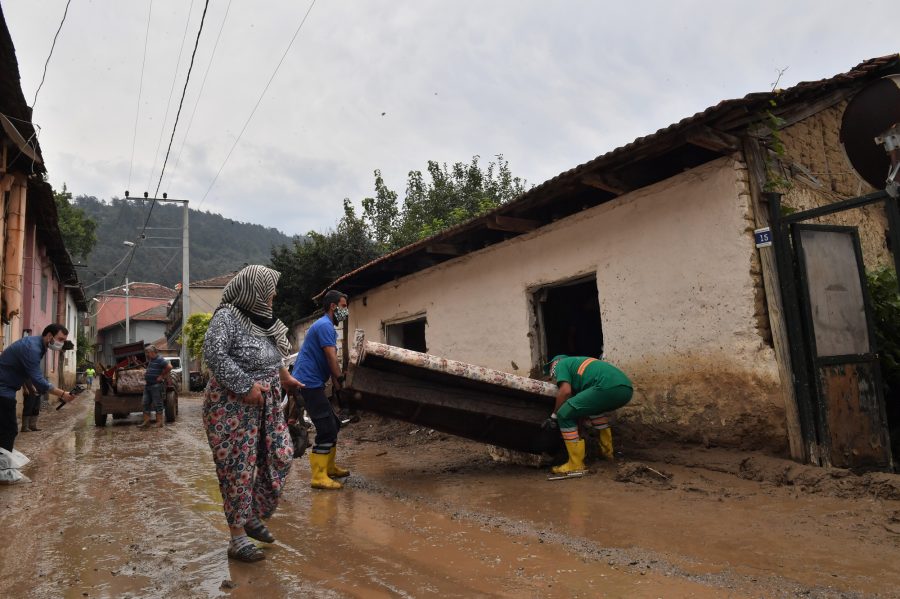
{"type": "Point", "coordinates": [871, 112]}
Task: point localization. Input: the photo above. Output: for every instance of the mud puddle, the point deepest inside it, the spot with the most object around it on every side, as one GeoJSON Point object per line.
{"type": "Point", "coordinates": [121, 512]}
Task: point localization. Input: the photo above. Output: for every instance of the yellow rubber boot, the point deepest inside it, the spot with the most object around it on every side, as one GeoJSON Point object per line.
{"type": "Point", "coordinates": [605, 443]}
{"type": "Point", "coordinates": [575, 449]}
{"type": "Point", "coordinates": [333, 469]}
{"type": "Point", "coordinates": [318, 465]}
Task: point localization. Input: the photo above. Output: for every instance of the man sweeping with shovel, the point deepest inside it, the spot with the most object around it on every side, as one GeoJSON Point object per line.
{"type": "Point", "coordinates": [588, 388]}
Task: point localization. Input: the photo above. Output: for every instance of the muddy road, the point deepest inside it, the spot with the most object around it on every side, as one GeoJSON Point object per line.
{"type": "Point", "coordinates": [121, 512]}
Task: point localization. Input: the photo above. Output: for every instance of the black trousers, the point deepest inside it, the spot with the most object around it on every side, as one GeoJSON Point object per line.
{"type": "Point", "coordinates": [8, 426]}
{"type": "Point", "coordinates": [31, 405]}
{"type": "Point", "coordinates": [322, 414]}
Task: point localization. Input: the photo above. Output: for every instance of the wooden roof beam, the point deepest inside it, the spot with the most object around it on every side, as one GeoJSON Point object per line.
{"type": "Point", "coordinates": [711, 139]}
{"type": "Point", "coordinates": [512, 224]}
{"type": "Point", "coordinates": [444, 249]}
{"type": "Point", "coordinates": [605, 183]}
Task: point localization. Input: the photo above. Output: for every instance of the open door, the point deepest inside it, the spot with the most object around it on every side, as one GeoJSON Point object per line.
{"type": "Point", "coordinates": [848, 398]}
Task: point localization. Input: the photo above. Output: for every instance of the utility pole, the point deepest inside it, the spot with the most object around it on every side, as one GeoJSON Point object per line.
{"type": "Point", "coordinates": [185, 300]}
{"type": "Point", "coordinates": [185, 283]}
{"type": "Point", "coordinates": [127, 315]}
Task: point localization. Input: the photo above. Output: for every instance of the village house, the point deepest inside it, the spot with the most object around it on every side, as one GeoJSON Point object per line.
{"type": "Point", "coordinates": [204, 297]}
{"type": "Point", "coordinates": [108, 315]}
{"type": "Point", "coordinates": [646, 255]}
{"type": "Point", "coordinates": [148, 326]}
{"type": "Point", "coordinates": [40, 282]}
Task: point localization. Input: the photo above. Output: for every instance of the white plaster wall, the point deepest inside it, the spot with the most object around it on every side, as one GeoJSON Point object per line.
{"type": "Point", "coordinates": [672, 263]}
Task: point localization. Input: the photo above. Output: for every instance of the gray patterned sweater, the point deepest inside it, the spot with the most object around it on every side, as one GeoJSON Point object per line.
{"type": "Point", "coordinates": [236, 358]}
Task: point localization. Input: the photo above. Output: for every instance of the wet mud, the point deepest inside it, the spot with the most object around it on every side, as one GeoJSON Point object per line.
{"type": "Point", "coordinates": [121, 512]}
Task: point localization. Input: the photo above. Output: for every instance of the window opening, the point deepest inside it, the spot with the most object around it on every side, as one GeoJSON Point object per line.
{"type": "Point", "coordinates": [568, 319]}
{"type": "Point", "coordinates": [408, 335]}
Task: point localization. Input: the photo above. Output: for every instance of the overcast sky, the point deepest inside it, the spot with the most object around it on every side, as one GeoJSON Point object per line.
{"type": "Point", "coordinates": [391, 84]}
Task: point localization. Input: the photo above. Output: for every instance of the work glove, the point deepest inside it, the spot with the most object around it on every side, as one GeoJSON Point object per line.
{"type": "Point", "coordinates": [550, 424]}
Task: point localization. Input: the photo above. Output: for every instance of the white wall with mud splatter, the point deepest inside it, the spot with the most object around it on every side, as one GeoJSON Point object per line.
{"type": "Point", "coordinates": [673, 267]}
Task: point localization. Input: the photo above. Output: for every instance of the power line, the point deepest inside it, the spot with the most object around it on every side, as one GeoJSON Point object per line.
{"type": "Point", "coordinates": [52, 46]}
{"type": "Point", "coordinates": [187, 131]}
{"type": "Point", "coordinates": [174, 128]}
{"type": "Point", "coordinates": [112, 270]}
{"type": "Point", "coordinates": [162, 129]}
{"type": "Point", "coordinates": [252, 112]}
{"type": "Point", "coordinates": [140, 92]}
{"type": "Point", "coordinates": [181, 103]}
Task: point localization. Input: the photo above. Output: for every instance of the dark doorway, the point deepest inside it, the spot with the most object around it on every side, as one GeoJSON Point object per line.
{"type": "Point", "coordinates": [408, 335]}
{"type": "Point", "coordinates": [570, 318]}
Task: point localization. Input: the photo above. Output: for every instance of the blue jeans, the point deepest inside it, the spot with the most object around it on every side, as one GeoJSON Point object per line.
{"type": "Point", "coordinates": [153, 397]}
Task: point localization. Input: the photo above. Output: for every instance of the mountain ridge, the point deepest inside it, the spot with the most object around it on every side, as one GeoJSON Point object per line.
{"type": "Point", "coordinates": [217, 244]}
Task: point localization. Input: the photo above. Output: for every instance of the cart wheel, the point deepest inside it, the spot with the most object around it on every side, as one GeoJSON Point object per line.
{"type": "Point", "coordinates": [171, 406]}
{"type": "Point", "coordinates": [99, 416]}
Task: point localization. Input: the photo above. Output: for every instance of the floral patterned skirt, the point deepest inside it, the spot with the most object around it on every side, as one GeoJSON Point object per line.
{"type": "Point", "coordinates": [251, 448]}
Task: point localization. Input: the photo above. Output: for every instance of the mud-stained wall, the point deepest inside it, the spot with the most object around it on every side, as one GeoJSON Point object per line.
{"type": "Point", "coordinates": [675, 274]}
{"type": "Point", "coordinates": [822, 174]}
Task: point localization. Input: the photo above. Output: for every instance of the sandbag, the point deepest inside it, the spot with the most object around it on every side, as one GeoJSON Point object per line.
{"type": "Point", "coordinates": [10, 476]}
{"type": "Point", "coordinates": [14, 459]}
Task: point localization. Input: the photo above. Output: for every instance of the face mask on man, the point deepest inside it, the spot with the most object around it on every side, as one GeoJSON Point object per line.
{"type": "Point", "coordinates": [56, 345]}
{"type": "Point", "coordinates": [341, 314]}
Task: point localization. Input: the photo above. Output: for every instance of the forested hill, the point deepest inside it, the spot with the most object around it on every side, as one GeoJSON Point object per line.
{"type": "Point", "coordinates": [218, 244]}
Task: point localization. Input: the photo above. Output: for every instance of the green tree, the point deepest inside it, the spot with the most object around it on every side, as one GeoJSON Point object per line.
{"type": "Point", "coordinates": [195, 332]}
{"type": "Point", "coordinates": [883, 290]}
{"type": "Point", "coordinates": [448, 196]}
{"type": "Point", "coordinates": [81, 350]}
{"type": "Point", "coordinates": [79, 231]}
{"type": "Point", "coordinates": [308, 266]}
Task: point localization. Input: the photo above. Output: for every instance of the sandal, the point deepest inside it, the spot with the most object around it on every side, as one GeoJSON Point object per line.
{"type": "Point", "coordinates": [247, 553]}
{"type": "Point", "coordinates": [260, 533]}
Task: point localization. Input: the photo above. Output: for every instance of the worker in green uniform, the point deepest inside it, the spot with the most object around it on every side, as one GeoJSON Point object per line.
{"type": "Point", "coordinates": [588, 388]}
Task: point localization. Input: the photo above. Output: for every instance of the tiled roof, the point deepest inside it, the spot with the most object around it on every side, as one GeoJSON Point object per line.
{"type": "Point", "coordinates": [217, 282]}
{"type": "Point", "coordinates": [144, 290]}
{"type": "Point", "coordinates": [154, 313]}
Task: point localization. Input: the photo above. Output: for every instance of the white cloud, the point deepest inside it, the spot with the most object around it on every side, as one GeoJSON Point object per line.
{"type": "Point", "coordinates": [548, 84]}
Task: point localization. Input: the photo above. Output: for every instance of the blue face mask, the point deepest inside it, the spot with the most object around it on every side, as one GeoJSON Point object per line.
{"type": "Point", "coordinates": [341, 314]}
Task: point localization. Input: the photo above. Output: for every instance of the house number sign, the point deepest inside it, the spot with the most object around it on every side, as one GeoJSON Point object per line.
{"type": "Point", "coordinates": [763, 237]}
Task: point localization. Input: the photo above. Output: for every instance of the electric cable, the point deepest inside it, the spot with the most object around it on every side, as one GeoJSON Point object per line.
{"type": "Point", "coordinates": [252, 112]}
{"type": "Point", "coordinates": [187, 79]}
{"type": "Point", "coordinates": [187, 131]}
{"type": "Point", "coordinates": [174, 128]}
{"type": "Point", "coordinates": [140, 93]}
{"type": "Point", "coordinates": [113, 269]}
{"type": "Point", "coordinates": [47, 62]}
{"type": "Point", "coordinates": [162, 129]}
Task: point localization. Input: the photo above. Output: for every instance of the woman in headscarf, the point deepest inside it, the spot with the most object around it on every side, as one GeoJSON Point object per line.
{"type": "Point", "coordinates": [244, 348]}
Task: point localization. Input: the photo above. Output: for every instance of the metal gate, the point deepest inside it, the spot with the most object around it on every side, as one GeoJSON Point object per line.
{"type": "Point", "coordinates": [833, 348]}
{"type": "Point", "coordinates": [849, 403]}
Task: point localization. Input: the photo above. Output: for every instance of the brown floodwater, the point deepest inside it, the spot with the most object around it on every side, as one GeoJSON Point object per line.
{"type": "Point", "coordinates": [122, 512]}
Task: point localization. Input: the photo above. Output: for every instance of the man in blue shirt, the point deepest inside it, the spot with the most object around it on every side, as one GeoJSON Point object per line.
{"type": "Point", "coordinates": [20, 361]}
{"type": "Point", "coordinates": [316, 363]}
{"type": "Point", "coordinates": [154, 387]}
